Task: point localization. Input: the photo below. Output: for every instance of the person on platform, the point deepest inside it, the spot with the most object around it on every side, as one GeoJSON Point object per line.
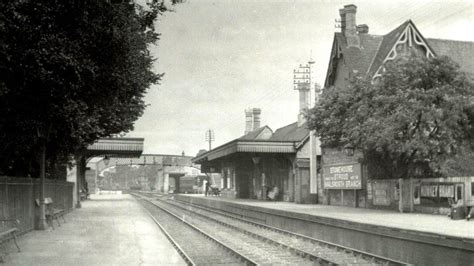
{"type": "Point", "coordinates": [273, 193]}
{"type": "Point", "coordinates": [208, 187]}
{"type": "Point", "coordinates": [470, 213]}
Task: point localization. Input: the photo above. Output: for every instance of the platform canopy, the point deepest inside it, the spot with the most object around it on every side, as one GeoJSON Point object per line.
{"type": "Point", "coordinates": [288, 139]}
{"type": "Point", "coordinates": [247, 147]}
{"type": "Point", "coordinates": [116, 147]}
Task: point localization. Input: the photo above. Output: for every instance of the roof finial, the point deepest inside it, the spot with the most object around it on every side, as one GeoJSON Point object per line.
{"type": "Point", "coordinates": [311, 61]}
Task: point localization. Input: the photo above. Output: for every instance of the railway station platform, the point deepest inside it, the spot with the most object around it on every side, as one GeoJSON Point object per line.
{"type": "Point", "coordinates": [107, 230]}
{"type": "Point", "coordinates": [423, 223]}
{"type": "Point", "coordinates": [421, 239]}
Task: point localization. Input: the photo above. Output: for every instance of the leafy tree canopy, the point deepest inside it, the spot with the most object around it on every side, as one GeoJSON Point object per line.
{"type": "Point", "coordinates": [70, 73]}
{"type": "Point", "coordinates": [416, 120]}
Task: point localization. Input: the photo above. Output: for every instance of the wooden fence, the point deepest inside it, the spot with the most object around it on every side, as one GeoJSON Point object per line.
{"type": "Point", "coordinates": [18, 195]}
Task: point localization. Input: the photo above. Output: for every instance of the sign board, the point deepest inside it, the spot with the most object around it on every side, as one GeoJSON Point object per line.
{"type": "Point", "coordinates": [342, 176]}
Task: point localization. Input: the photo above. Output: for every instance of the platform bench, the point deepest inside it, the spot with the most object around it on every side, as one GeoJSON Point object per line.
{"type": "Point", "coordinates": [8, 230]}
{"type": "Point", "coordinates": [51, 212]}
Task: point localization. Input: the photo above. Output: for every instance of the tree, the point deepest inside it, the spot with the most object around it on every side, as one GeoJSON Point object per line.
{"type": "Point", "coordinates": [416, 120]}
{"type": "Point", "coordinates": [70, 73]}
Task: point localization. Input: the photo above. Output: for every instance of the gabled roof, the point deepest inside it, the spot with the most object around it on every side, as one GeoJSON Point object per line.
{"type": "Point", "coordinates": [375, 50]}
{"type": "Point", "coordinates": [385, 46]}
{"type": "Point", "coordinates": [461, 52]}
{"type": "Point", "coordinates": [355, 58]}
{"type": "Point", "coordinates": [359, 59]}
{"type": "Point", "coordinates": [259, 133]}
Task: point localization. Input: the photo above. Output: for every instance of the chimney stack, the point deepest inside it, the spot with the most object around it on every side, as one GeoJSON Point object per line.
{"type": "Point", "coordinates": [349, 26]}
{"type": "Point", "coordinates": [248, 120]}
{"type": "Point", "coordinates": [256, 118]}
{"type": "Point", "coordinates": [252, 119]}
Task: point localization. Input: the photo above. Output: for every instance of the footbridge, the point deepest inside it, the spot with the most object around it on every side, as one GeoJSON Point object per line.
{"type": "Point", "coordinates": [160, 172]}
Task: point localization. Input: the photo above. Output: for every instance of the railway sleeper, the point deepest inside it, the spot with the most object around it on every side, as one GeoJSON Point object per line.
{"type": "Point", "coordinates": [355, 257]}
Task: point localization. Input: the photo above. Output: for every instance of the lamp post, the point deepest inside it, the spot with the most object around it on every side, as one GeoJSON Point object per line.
{"type": "Point", "coordinates": [80, 174]}
{"type": "Point", "coordinates": [42, 209]}
{"type": "Point", "coordinates": [43, 134]}
{"type": "Point", "coordinates": [349, 149]}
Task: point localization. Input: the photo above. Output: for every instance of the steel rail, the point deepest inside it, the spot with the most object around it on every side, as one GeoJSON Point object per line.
{"type": "Point", "coordinates": [175, 244]}
{"type": "Point", "coordinates": [356, 252]}
{"type": "Point", "coordinates": [296, 251]}
{"type": "Point", "coordinates": [248, 261]}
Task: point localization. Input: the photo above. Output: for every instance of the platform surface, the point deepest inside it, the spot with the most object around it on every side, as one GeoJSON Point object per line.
{"type": "Point", "coordinates": [107, 230]}
{"type": "Point", "coordinates": [420, 222]}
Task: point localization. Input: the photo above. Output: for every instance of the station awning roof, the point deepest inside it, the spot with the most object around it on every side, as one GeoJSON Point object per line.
{"type": "Point", "coordinates": [117, 147]}
{"type": "Point", "coordinates": [246, 146]}
{"type": "Point", "coordinates": [287, 139]}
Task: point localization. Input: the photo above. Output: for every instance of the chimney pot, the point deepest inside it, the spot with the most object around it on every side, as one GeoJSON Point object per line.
{"type": "Point", "coordinates": [363, 28]}
{"type": "Point", "coordinates": [350, 8]}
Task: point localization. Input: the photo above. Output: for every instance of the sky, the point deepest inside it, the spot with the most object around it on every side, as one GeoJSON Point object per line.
{"type": "Point", "coordinates": [222, 57]}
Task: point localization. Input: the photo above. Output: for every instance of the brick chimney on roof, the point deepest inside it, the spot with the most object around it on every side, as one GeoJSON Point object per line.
{"type": "Point", "coordinates": [349, 26]}
{"type": "Point", "coordinates": [252, 119]}
{"type": "Point", "coordinates": [256, 118]}
{"type": "Point", "coordinates": [248, 120]}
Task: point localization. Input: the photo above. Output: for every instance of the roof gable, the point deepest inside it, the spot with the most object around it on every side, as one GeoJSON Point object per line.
{"type": "Point", "coordinates": [405, 34]}
{"type": "Point", "coordinates": [264, 132]}
{"type": "Point", "coordinates": [385, 46]}
{"type": "Point", "coordinates": [376, 50]}
{"type": "Point", "coordinates": [356, 59]}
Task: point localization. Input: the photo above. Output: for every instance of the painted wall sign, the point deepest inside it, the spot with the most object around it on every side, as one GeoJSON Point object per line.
{"type": "Point", "coordinates": [344, 176]}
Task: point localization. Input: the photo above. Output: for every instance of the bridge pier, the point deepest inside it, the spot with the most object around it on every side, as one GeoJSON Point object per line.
{"type": "Point", "coordinates": [166, 182]}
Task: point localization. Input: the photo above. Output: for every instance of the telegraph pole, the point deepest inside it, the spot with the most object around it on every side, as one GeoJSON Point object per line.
{"type": "Point", "coordinates": [304, 82]}
{"type": "Point", "coordinates": [313, 173]}
{"type": "Point", "coordinates": [210, 137]}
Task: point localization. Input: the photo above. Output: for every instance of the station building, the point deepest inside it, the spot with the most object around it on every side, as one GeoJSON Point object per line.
{"type": "Point", "coordinates": [262, 159]}
{"type": "Point", "coordinates": [344, 180]}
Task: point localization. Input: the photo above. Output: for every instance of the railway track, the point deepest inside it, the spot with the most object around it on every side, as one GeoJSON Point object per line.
{"type": "Point", "coordinates": [285, 247]}
{"type": "Point", "coordinates": [194, 245]}
{"type": "Point", "coordinates": [297, 241]}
